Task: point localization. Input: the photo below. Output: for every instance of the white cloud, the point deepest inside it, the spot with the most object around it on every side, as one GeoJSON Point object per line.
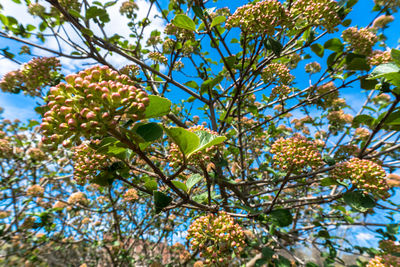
{"type": "Point", "coordinates": [7, 65]}
{"type": "Point", "coordinates": [365, 237]}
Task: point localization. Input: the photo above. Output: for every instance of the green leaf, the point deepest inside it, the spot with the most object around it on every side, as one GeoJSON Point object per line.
{"type": "Point", "coordinates": [359, 201]}
{"type": "Point", "coordinates": [192, 180]}
{"type": "Point", "coordinates": [395, 56]}
{"type": "Point", "coordinates": [362, 119]}
{"type": "Point", "coordinates": [328, 181]}
{"type": "Point", "coordinates": [184, 22]}
{"type": "Point", "coordinates": [161, 200]}
{"type": "Point", "coordinates": [198, 11]}
{"type": "Point", "coordinates": [192, 84]}
{"type": "Point", "coordinates": [104, 178]}
{"type": "Point", "coordinates": [368, 84]}
{"type": "Point", "coordinates": [356, 62]}
{"type": "Point", "coordinates": [389, 71]}
{"type": "Point", "coordinates": [318, 49]}
{"type": "Point", "coordinates": [207, 140]}
{"type": "Point", "coordinates": [275, 46]}
{"type": "Point", "coordinates": [180, 186]}
{"type": "Point", "coordinates": [281, 217]}
{"type": "Point", "coordinates": [158, 106]}
{"type": "Point", "coordinates": [94, 12]}
{"type": "Point", "coordinates": [311, 264]}
{"type": "Point", "coordinates": [149, 131]}
{"type": "Point", "coordinates": [186, 140]}
{"type": "Point", "coordinates": [267, 253]}
{"type": "Point", "coordinates": [282, 262]}
{"type": "Point", "coordinates": [393, 119]}
{"type": "Point", "coordinates": [218, 20]}
{"type": "Point", "coordinates": [151, 184]}
{"type": "Point", "coordinates": [334, 44]}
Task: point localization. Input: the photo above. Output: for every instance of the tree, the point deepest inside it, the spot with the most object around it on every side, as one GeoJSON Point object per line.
{"type": "Point", "coordinates": [208, 130]}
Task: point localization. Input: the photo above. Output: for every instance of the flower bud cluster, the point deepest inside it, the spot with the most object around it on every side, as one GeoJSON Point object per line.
{"type": "Point", "coordinates": [389, 246]}
{"type": "Point", "coordinates": [313, 67]}
{"type": "Point", "coordinates": [346, 152]}
{"type": "Point", "coordinates": [382, 21]}
{"type": "Point", "coordinates": [277, 73]}
{"type": "Point", "coordinates": [224, 11]}
{"type": "Point", "coordinates": [326, 93]}
{"type": "Point", "coordinates": [158, 57]}
{"type": "Point", "coordinates": [393, 4]}
{"type": "Point", "coordinates": [36, 9]}
{"type": "Point", "coordinates": [35, 190]}
{"type": "Point", "coordinates": [203, 157]}
{"type": "Point", "coordinates": [280, 91]}
{"type": "Point", "coordinates": [87, 162]}
{"type": "Point", "coordinates": [320, 13]}
{"type": "Point", "coordinates": [179, 33]}
{"type": "Point", "coordinates": [294, 60]}
{"type": "Point", "coordinates": [32, 76]}
{"type": "Point", "coordinates": [131, 195]}
{"type": "Point", "coordinates": [338, 118]}
{"type": "Point", "coordinates": [364, 174]}
{"type": "Point", "coordinates": [381, 99]}
{"type": "Point", "coordinates": [90, 103]}
{"type": "Point", "coordinates": [36, 154]}
{"type": "Point", "coordinates": [71, 4]}
{"type": "Point", "coordinates": [376, 262]}
{"type": "Point", "coordinates": [78, 198]}
{"type": "Point", "coordinates": [296, 154]}
{"type": "Point", "coordinates": [6, 149]}
{"type": "Point", "coordinates": [379, 57]}
{"type": "Point", "coordinates": [216, 236]}
{"type": "Point", "coordinates": [128, 8]}
{"type": "Point", "coordinates": [130, 70]}
{"type": "Point", "coordinates": [59, 205]}
{"type": "Point", "coordinates": [361, 41]}
{"type": "Point", "coordinates": [263, 18]}
{"type": "Point", "coordinates": [361, 133]}
{"type": "Point", "coordinates": [4, 214]}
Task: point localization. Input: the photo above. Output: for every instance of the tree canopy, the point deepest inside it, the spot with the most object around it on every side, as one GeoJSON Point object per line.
{"type": "Point", "coordinates": [188, 133]}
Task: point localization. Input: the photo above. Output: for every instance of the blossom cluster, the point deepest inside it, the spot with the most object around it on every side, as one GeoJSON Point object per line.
{"type": "Point", "coordinates": [35, 190]}
{"type": "Point", "coordinates": [321, 13]}
{"type": "Point", "coordinates": [337, 119]}
{"type": "Point", "coordinates": [379, 57]}
{"type": "Point", "coordinates": [296, 154]}
{"type": "Point", "coordinates": [36, 9]}
{"type": "Point", "coordinates": [216, 236]}
{"type": "Point", "coordinates": [382, 21]}
{"type": "Point", "coordinates": [128, 8]}
{"type": "Point", "coordinates": [158, 57]}
{"type": "Point", "coordinates": [277, 73]}
{"type": "Point", "coordinates": [264, 17]}
{"type": "Point", "coordinates": [313, 67]}
{"type": "Point", "coordinates": [280, 91]}
{"type": "Point", "coordinates": [175, 156]}
{"type": "Point", "coordinates": [361, 41]}
{"type": "Point", "coordinates": [32, 76]}
{"type": "Point", "coordinates": [393, 4]}
{"type": "Point", "coordinates": [90, 103]}
{"type": "Point", "coordinates": [361, 133]}
{"type": "Point", "coordinates": [381, 99]}
{"type": "Point", "coordinates": [87, 162]}
{"type": "Point", "coordinates": [179, 33]}
{"type": "Point", "coordinates": [364, 174]}
{"type": "Point", "coordinates": [78, 198]}
{"type": "Point", "coordinates": [6, 149]}
{"type": "Point", "coordinates": [131, 195]}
